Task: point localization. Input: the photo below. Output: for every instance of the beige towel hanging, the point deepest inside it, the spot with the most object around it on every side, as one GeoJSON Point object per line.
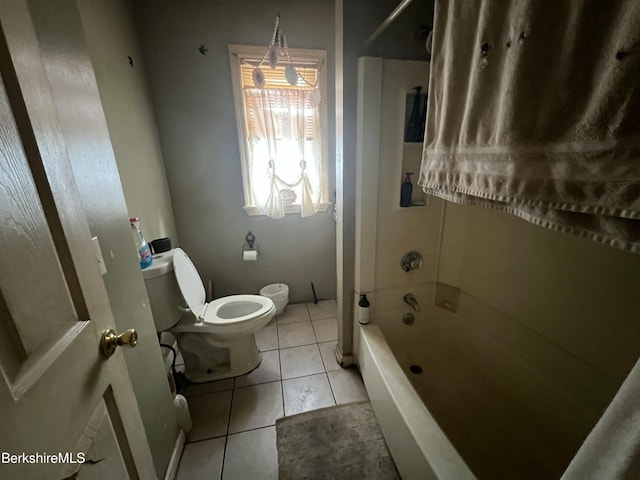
{"type": "Point", "coordinates": [534, 108]}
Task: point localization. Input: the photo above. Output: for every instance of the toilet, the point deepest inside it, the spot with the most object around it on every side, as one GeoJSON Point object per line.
{"type": "Point", "coordinates": [217, 339]}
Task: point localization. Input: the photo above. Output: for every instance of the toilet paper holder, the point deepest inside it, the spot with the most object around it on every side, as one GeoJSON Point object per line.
{"type": "Point", "coordinates": [250, 238]}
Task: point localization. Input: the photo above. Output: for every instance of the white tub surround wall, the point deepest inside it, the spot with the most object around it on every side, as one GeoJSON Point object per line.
{"type": "Point", "coordinates": [367, 171]}
{"type": "Point", "coordinates": [400, 230]}
{"type": "Point", "coordinates": [355, 21]}
{"type": "Point", "coordinates": [385, 231]}
{"type": "Point", "coordinates": [367, 165]}
{"type": "Point", "coordinates": [573, 292]}
{"type": "Point", "coordinates": [567, 292]}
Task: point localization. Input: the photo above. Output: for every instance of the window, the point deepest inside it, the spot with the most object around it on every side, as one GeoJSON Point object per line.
{"type": "Point", "coordinates": [282, 131]}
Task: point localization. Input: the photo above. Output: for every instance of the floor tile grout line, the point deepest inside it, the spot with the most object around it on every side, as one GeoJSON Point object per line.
{"type": "Point", "coordinates": [233, 394]}
{"type": "Point", "coordinates": [305, 375]}
{"type": "Point", "coordinates": [326, 373]}
{"type": "Point", "coordinates": [309, 374]}
{"type": "Point", "coordinates": [280, 363]}
{"type": "Point", "coordinates": [252, 429]}
{"type": "Point", "coordinates": [206, 439]}
{"type": "Point", "coordinates": [305, 345]}
{"type": "Point", "coordinates": [335, 401]}
{"type": "Point", "coordinates": [261, 383]}
{"type": "Point", "coordinates": [224, 455]}
{"type": "Point", "coordinates": [229, 432]}
{"type": "Point", "coordinates": [315, 334]}
{"type": "Point", "coordinates": [301, 345]}
{"type": "Point", "coordinates": [322, 358]}
{"type": "Point", "coordinates": [226, 437]}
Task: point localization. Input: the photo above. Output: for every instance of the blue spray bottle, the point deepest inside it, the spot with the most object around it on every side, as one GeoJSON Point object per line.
{"type": "Point", "coordinates": [406, 190]}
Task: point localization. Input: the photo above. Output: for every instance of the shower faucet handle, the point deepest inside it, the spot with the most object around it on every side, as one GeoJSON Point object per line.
{"type": "Point", "coordinates": [411, 261]}
{"type": "Point", "coordinates": [410, 300]}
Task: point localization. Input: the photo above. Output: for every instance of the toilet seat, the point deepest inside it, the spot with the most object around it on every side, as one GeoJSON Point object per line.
{"type": "Point", "coordinates": [231, 315]}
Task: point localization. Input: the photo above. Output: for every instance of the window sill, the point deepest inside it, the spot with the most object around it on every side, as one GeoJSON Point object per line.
{"type": "Point", "coordinates": [254, 211]}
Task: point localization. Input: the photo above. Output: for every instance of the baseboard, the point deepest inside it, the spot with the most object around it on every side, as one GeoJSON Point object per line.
{"type": "Point", "coordinates": [342, 359]}
{"type": "Point", "coordinates": [172, 469]}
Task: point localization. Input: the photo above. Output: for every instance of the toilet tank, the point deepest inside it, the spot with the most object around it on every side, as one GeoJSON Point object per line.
{"type": "Point", "coordinates": [163, 291]}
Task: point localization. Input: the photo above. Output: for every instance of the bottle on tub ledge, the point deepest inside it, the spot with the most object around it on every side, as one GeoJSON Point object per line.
{"type": "Point", "coordinates": [144, 252]}
{"type": "Point", "coordinates": [364, 316]}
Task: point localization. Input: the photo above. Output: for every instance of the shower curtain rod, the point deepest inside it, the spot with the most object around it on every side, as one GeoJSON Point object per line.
{"type": "Point", "coordinates": [392, 16]}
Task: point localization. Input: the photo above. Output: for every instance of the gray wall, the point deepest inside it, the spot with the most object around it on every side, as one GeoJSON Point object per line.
{"type": "Point", "coordinates": [111, 38]}
{"type": "Point", "coordinates": [83, 124]}
{"type": "Point", "coordinates": [193, 101]}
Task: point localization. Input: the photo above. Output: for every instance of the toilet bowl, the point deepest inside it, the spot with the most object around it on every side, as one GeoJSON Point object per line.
{"type": "Point", "coordinates": [216, 338]}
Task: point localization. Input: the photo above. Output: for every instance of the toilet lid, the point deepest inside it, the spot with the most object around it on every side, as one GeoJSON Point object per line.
{"type": "Point", "coordinates": [189, 282]}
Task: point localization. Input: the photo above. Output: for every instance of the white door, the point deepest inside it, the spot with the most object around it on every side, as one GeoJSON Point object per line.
{"type": "Point", "coordinates": [61, 399]}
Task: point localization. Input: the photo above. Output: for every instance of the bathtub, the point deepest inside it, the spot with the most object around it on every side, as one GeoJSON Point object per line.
{"type": "Point", "coordinates": [488, 399]}
{"type": "Point", "coordinates": [419, 447]}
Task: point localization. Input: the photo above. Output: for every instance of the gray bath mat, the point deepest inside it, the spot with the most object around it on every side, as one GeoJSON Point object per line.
{"type": "Point", "coordinates": [342, 442]}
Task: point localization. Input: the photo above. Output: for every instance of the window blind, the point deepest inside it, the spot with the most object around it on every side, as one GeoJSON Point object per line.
{"type": "Point", "coordinates": [275, 80]}
{"type": "Point", "coordinates": [275, 77]}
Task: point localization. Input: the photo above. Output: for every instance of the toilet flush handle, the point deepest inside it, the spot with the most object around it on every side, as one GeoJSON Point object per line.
{"type": "Point", "coordinates": [110, 341]}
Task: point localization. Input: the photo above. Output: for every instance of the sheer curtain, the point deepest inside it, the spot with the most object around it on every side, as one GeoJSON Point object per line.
{"type": "Point", "coordinates": [284, 149]}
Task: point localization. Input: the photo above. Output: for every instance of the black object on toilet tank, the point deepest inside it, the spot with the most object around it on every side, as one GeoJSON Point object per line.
{"type": "Point", "coordinates": [160, 245]}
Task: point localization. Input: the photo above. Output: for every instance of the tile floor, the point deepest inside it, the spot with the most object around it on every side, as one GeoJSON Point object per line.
{"type": "Point", "coordinates": [234, 435]}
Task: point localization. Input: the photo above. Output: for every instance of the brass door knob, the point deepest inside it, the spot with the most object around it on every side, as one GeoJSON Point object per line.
{"type": "Point", "coordinates": [110, 341]}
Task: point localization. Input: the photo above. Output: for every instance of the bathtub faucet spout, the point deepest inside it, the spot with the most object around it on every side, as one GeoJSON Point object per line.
{"type": "Point", "coordinates": [410, 300]}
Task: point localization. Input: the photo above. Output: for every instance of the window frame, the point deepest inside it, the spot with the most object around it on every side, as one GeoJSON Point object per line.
{"type": "Point", "coordinates": [236, 53]}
